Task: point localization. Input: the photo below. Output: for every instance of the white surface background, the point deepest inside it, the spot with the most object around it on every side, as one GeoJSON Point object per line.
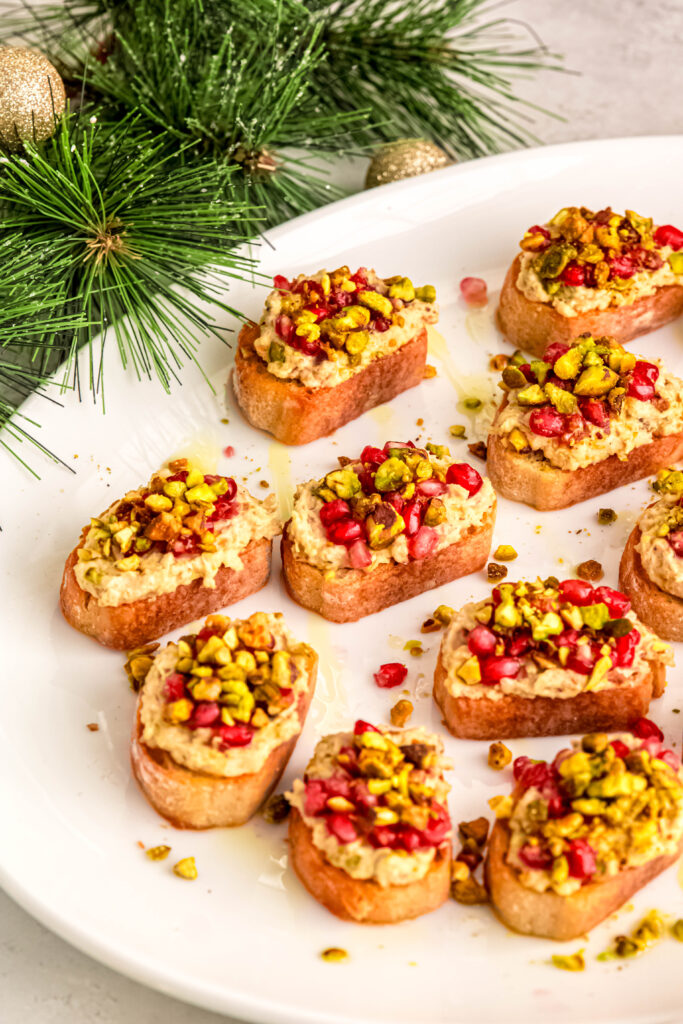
{"type": "Point", "coordinates": [628, 55]}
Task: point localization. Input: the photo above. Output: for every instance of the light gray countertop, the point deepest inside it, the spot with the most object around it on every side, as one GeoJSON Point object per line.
{"type": "Point", "coordinates": [628, 56]}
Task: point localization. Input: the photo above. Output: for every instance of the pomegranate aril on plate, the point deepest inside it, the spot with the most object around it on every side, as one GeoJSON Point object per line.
{"type": "Point", "coordinates": [474, 291]}
{"type": "Point", "coordinates": [646, 729]}
{"type": "Point", "coordinates": [390, 674]}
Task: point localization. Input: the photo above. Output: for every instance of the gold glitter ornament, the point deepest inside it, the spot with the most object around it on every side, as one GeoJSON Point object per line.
{"type": "Point", "coordinates": [405, 158]}
{"type": "Point", "coordinates": [31, 96]}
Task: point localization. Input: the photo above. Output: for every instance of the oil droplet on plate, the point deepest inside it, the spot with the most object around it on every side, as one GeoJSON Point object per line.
{"type": "Point", "coordinates": [202, 450]}
{"type": "Point", "coordinates": [330, 708]}
{"type": "Point", "coordinates": [280, 466]}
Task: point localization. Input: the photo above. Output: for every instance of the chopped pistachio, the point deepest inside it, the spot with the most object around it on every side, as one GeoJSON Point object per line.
{"type": "Point", "coordinates": [475, 831]}
{"type": "Point", "coordinates": [444, 614]}
{"type": "Point", "coordinates": [590, 570]}
{"type": "Point", "coordinates": [334, 955]}
{"type": "Point", "coordinates": [505, 553]}
{"type": "Point", "coordinates": [472, 403]}
{"type": "Point", "coordinates": [429, 372]}
{"type": "Point", "coordinates": [479, 450]}
{"type": "Point", "coordinates": [158, 852]}
{"type": "Point", "coordinates": [414, 647]}
{"type": "Point", "coordinates": [401, 712]}
{"type": "Point", "coordinates": [459, 871]}
{"type": "Point", "coordinates": [457, 430]}
{"type": "Point", "coordinates": [499, 756]}
{"type": "Point", "coordinates": [569, 962]}
{"type": "Point", "coordinates": [276, 808]}
{"type": "Point", "coordinates": [495, 572]}
{"type": "Point", "coordinates": [498, 362]}
{"type": "Point", "coordinates": [469, 891]}
{"type": "Point", "coordinates": [677, 929]}
{"type": "Point", "coordinates": [186, 868]}
{"type": "Point", "coordinates": [606, 516]}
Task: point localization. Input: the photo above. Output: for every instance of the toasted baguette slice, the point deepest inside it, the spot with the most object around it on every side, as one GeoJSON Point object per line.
{"type": "Point", "coordinates": [535, 482]}
{"type": "Point", "coordinates": [661, 611]}
{"type": "Point", "coordinates": [296, 414]}
{"type": "Point", "coordinates": [353, 593]}
{"type": "Point", "coordinates": [190, 799]}
{"type": "Point", "coordinates": [535, 325]}
{"type": "Point", "coordinates": [126, 626]}
{"type": "Point", "coordinates": [605, 711]}
{"type": "Point", "coordinates": [549, 915]}
{"type": "Point", "coordinates": [365, 900]}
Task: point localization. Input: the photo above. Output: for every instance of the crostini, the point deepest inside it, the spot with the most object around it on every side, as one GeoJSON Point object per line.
{"type": "Point", "coordinates": [370, 833]}
{"type": "Point", "coordinates": [599, 273]}
{"type": "Point", "coordinates": [330, 346]}
{"type": "Point", "coordinates": [586, 418]}
{"type": "Point", "coordinates": [166, 553]}
{"type": "Point", "coordinates": [580, 835]}
{"type": "Point", "coordinates": [651, 568]}
{"type": "Point", "coordinates": [391, 524]}
{"type": "Point", "coordinates": [218, 716]}
{"type": "Point", "coordinates": [545, 658]}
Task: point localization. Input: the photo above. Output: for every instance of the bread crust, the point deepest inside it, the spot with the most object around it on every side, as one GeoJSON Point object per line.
{"type": "Point", "coordinates": [353, 593]}
{"type": "Point", "coordinates": [549, 915]}
{"type": "Point", "coordinates": [537, 483]}
{"type": "Point", "coordinates": [199, 800]}
{"type": "Point", "coordinates": [364, 900]}
{"type": "Point", "coordinates": [126, 626]}
{"type": "Point", "coordinates": [658, 609]}
{"type": "Point", "coordinates": [511, 716]}
{"type": "Point", "coordinates": [533, 326]}
{"type": "Point", "coordinates": [296, 414]}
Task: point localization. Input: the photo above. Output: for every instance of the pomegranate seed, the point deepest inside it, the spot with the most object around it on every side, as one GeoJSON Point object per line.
{"type": "Point", "coordinates": [184, 546]}
{"type": "Point", "coordinates": [309, 348]}
{"type": "Point", "coordinates": [470, 858]}
{"type": "Point", "coordinates": [547, 422]}
{"type": "Point", "coordinates": [431, 488]}
{"type": "Point", "coordinates": [341, 826]}
{"type": "Point", "coordinates": [667, 234]}
{"type": "Point", "coordinates": [473, 291]}
{"type": "Point", "coordinates": [381, 324]}
{"type": "Point", "coordinates": [204, 714]}
{"type": "Point", "coordinates": [360, 278]}
{"type": "Point", "coordinates": [320, 312]}
{"type": "Point", "coordinates": [626, 649]}
{"type": "Point", "coordinates": [646, 729]}
{"type": "Point", "coordinates": [334, 510]}
{"type": "Point", "coordinates": [554, 351]}
{"type": "Point", "coordinates": [465, 476]}
{"type": "Point", "coordinates": [573, 275]}
{"type": "Point", "coordinates": [235, 735]}
{"type": "Point", "coordinates": [567, 638]}
{"type": "Point", "coordinates": [537, 229]}
{"type": "Point", "coordinates": [620, 748]}
{"type": "Point", "coordinates": [578, 592]}
{"type": "Point", "coordinates": [361, 795]}
{"type": "Point", "coordinates": [618, 604]}
{"type": "Point", "coordinates": [582, 659]}
{"type": "Point", "coordinates": [675, 540]}
{"type": "Point", "coordinates": [341, 298]}
{"type": "Point", "coordinates": [395, 500]}
{"type": "Point", "coordinates": [281, 283]}
{"type": "Point", "coordinates": [174, 687]}
{"type": "Point", "coordinates": [345, 532]}
{"type": "Point", "coordinates": [481, 640]}
{"type": "Point", "coordinates": [622, 267]}
{"type": "Point", "coordinates": [391, 674]}
{"type": "Point", "coordinates": [360, 555]}
{"type": "Point", "coordinates": [409, 838]}
{"type": "Point", "coordinates": [528, 372]}
{"type": "Point", "coordinates": [367, 480]}
{"type": "Point", "coordinates": [229, 451]}
{"type": "Point", "coordinates": [375, 456]}
{"type": "Point", "coordinates": [397, 444]}
{"type": "Point", "coordinates": [535, 857]}
{"type": "Point", "coordinates": [640, 389]}
{"type": "Point", "coordinates": [644, 371]}
{"type": "Point", "coordinates": [436, 828]}
{"type": "Point", "coordinates": [362, 726]}
{"type": "Point", "coordinates": [423, 543]}
{"type": "Point", "coordinates": [383, 835]}
{"type": "Point", "coordinates": [530, 775]}
{"type": "Point", "coordinates": [668, 757]}
{"type": "Point", "coordinates": [519, 645]}
{"type": "Point", "coordinates": [315, 797]}
{"type": "Point", "coordinates": [411, 517]}
{"type": "Point", "coordinates": [593, 410]}
{"type": "Point", "coordinates": [495, 668]}
{"type": "Point", "coordinates": [338, 785]}
{"type": "Point", "coordinates": [284, 327]}
{"type": "Point", "coordinates": [581, 858]}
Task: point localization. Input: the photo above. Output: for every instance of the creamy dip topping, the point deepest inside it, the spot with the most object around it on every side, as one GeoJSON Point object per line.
{"type": "Point", "coordinates": [226, 720]}
{"type": "Point", "coordinates": [580, 405]}
{"type": "Point", "coordinates": [375, 802]}
{"type": "Point", "coordinates": [547, 639]}
{"type": "Point", "coordinates": [610, 803]}
{"type": "Point", "coordinates": [323, 328]}
{"type": "Point", "coordinates": [583, 261]}
{"type": "Point", "coordinates": [167, 534]}
{"type": "Point", "coordinates": [661, 542]}
{"type": "Point", "coordinates": [394, 504]}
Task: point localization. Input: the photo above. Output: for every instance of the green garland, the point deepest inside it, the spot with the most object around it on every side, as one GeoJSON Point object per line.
{"type": "Point", "coordinates": [193, 125]}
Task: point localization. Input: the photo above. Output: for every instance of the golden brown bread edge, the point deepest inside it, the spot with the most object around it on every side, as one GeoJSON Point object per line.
{"type": "Point", "coordinates": [533, 326]}
{"type": "Point", "coordinates": [364, 900]}
{"type": "Point", "coordinates": [198, 800]}
{"type": "Point", "coordinates": [126, 626]}
{"type": "Point", "coordinates": [548, 915]}
{"type": "Point", "coordinates": [354, 593]}
{"type": "Point", "coordinates": [296, 414]}
{"type": "Point", "coordinates": [510, 716]}
{"type": "Point", "coordinates": [535, 482]}
{"type": "Point", "coordinates": [662, 611]}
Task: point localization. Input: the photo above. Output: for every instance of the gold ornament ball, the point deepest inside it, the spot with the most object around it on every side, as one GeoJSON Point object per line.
{"type": "Point", "coordinates": [405, 158]}
{"type": "Point", "coordinates": [31, 96]}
